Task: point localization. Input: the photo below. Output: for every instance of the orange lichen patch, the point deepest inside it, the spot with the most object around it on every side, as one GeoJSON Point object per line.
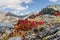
{"type": "Point", "coordinates": [18, 33]}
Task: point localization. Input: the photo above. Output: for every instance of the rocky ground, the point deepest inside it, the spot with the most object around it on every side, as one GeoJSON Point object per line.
{"type": "Point", "coordinates": [48, 31]}
{"type": "Point", "coordinates": [51, 33]}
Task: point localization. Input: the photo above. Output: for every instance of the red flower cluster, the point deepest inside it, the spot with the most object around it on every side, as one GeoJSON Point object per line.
{"type": "Point", "coordinates": [26, 25]}
{"type": "Point", "coordinates": [57, 14]}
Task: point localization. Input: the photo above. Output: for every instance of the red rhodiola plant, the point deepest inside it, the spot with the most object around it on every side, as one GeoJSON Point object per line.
{"type": "Point", "coordinates": [26, 25]}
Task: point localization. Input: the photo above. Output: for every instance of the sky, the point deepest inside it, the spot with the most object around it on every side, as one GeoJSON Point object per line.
{"type": "Point", "coordinates": [22, 7]}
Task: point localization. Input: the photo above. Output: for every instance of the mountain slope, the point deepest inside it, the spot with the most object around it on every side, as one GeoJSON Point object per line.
{"type": "Point", "coordinates": [54, 6]}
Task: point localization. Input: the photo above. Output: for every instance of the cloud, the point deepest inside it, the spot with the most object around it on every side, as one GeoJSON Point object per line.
{"type": "Point", "coordinates": [53, 0]}
{"type": "Point", "coordinates": [27, 1]}
{"type": "Point", "coordinates": [14, 4]}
